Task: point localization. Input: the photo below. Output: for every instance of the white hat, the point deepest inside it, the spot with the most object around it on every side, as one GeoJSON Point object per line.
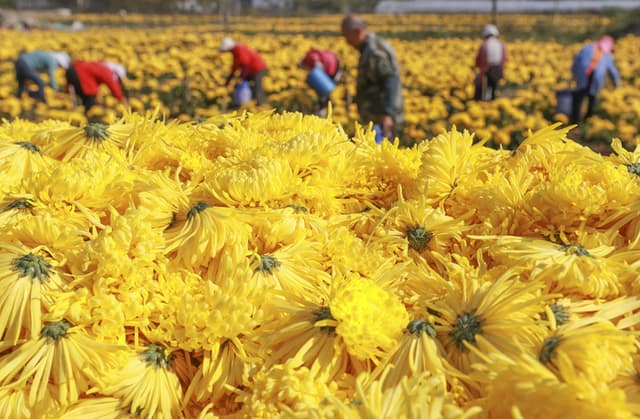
{"type": "Point", "coordinates": [490, 30]}
{"type": "Point", "coordinates": [62, 58]}
{"type": "Point", "coordinates": [118, 69]}
{"type": "Point", "coordinates": [227, 44]}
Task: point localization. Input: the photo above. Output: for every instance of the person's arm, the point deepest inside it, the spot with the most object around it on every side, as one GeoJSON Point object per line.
{"type": "Point", "coordinates": [234, 67]}
{"type": "Point", "coordinates": [481, 57]}
{"type": "Point", "coordinates": [613, 72]}
{"type": "Point", "coordinates": [391, 87]}
{"type": "Point", "coordinates": [389, 82]}
{"type": "Point", "coordinates": [504, 54]}
{"type": "Point", "coordinates": [52, 66]}
{"type": "Point", "coordinates": [114, 86]}
{"type": "Point", "coordinates": [230, 76]}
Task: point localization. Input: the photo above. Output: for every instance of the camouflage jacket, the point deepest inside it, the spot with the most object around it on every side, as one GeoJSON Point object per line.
{"type": "Point", "coordinates": [378, 88]}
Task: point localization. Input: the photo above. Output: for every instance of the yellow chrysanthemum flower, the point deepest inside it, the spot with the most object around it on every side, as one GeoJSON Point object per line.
{"type": "Point", "coordinates": [497, 306]}
{"type": "Point", "coordinates": [521, 387]}
{"type": "Point", "coordinates": [18, 159]}
{"type": "Point", "coordinates": [303, 329]}
{"type": "Point", "coordinates": [221, 369]}
{"type": "Point", "coordinates": [210, 313]}
{"type": "Point", "coordinates": [200, 237]}
{"type": "Point", "coordinates": [146, 386]}
{"type": "Point", "coordinates": [286, 390]}
{"type": "Point", "coordinates": [414, 226]}
{"type": "Point", "coordinates": [416, 353]}
{"type": "Point", "coordinates": [69, 143]}
{"type": "Point", "coordinates": [14, 404]}
{"type": "Point", "coordinates": [568, 268]}
{"type": "Point", "coordinates": [369, 319]}
{"type": "Point", "coordinates": [419, 396]}
{"type": "Point", "coordinates": [96, 407]}
{"type": "Point", "coordinates": [62, 361]}
{"type": "Point", "coordinates": [595, 350]}
{"type": "Point", "coordinates": [449, 159]}
{"type": "Point", "coordinates": [28, 277]}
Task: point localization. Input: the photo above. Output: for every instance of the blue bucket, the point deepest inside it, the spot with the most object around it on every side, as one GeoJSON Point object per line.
{"type": "Point", "coordinates": [242, 93]}
{"type": "Point", "coordinates": [320, 82]}
{"type": "Point", "coordinates": [564, 101]}
{"type": "Point", "coordinates": [379, 136]}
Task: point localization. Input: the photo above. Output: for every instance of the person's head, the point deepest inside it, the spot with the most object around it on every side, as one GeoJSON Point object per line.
{"type": "Point", "coordinates": [62, 58]}
{"type": "Point", "coordinates": [309, 60]}
{"type": "Point", "coordinates": [490, 30]}
{"type": "Point", "coordinates": [354, 30]}
{"type": "Point", "coordinates": [117, 69]}
{"type": "Point", "coordinates": [606, 44]}
{"type": "Point", "coordinates": [227, 44]}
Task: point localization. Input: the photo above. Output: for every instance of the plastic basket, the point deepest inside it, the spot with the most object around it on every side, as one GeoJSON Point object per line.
{"type": "Point", "coordinates": [242, 93]}
{"type": "Point", "coordinates": [320, 82]}
{"type": "Point", "coordinates": [564, 101]}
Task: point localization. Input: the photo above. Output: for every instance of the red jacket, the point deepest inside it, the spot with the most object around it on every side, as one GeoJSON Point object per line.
{"type": "Point", "coordinates": [93, 73]}
{"type": "Point", "coordinates": [328, 60]}
{"type": "Point", "coordinates": [247, 60]}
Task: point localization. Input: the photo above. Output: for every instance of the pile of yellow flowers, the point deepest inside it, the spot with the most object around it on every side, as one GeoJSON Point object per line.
{"type": "Point", "coordinates": [173, 64]}
{"type": "Point", "coordinates": [270, 265]}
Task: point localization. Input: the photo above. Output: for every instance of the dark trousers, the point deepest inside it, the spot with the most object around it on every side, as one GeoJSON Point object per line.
{"type": "Point", "coordinates": [578, 98]}
{"type": "Point", "coordinates": [25, 73]}
{"type": "Point", "coordinates": [257, 90]}
{"type": "Point", "coordinates": [88, 101]}
{"type": "Point", "coordinates": [487, 84]}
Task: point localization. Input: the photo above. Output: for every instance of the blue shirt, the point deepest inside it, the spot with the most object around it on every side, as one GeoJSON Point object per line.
{"type": "Point", "coordinates": [605, 66]}
{"type": "Point", "coordinates": [42, 61]}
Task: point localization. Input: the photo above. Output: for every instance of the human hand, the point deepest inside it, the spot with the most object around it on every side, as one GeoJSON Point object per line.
{"type": "Point", "coordinates": [386, 123]}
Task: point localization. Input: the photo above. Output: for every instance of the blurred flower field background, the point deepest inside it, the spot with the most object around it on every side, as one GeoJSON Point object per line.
{"type": "Point", "coordinates": [181, 262]}
{"type": "Point", "coordinates": [173, 65]}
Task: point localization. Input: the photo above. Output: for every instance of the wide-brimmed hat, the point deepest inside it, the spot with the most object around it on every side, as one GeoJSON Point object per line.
{"type": "Point", "coordinates": [62, 58]}
{"type": "Point", "coordinates": [118, 69]}
{"type": "Point", "coordinates": [490, 30]}
{"type": "Point", "coordinates": [227, 44]}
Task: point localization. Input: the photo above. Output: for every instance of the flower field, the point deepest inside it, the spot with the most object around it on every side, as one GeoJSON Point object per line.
{"type": "Point", "coordinates": [272, 266]}
{"type": "Point", "coordinates": [263, 264]}
{"type": "Point", "coordinates": [180, 71]}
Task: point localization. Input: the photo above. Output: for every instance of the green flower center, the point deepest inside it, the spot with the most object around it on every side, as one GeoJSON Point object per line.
{"type": "Point", "coordinates": [55, 330]}
{"type": "Point", "coordinates": [420, 326]}
{"type": "Point", "coordinates": [197, 208]}
{"type": "Point", "coordinates": [155, 355]}
{"type": "Point", "coordinates": [548, 347]}
{"type": "Point", "coordinates": [267, 264]}
{"type": "Point", "coordinates": [95, 131]}
{"type": "Point", "coordinates": [324, 313]}
{"type": "Point", "coordinates": [29, 146]}
{"type": "Point", "coordinates": [634, 168]}
{"type": "Point", "coordinates": [466, 327]}
{"type": "Point", "coordinates": [575, 249]}
{"type": "Point", "coordinates": [19, 204]}
{"type": "Point", "coordinates": [418, 238]}
{"type": "Point", "coordinates": [33, 266]}
{"type": "Point", "coordinates": [298, 208]}
{"type": "Point", "coordinates": [561, 313]}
